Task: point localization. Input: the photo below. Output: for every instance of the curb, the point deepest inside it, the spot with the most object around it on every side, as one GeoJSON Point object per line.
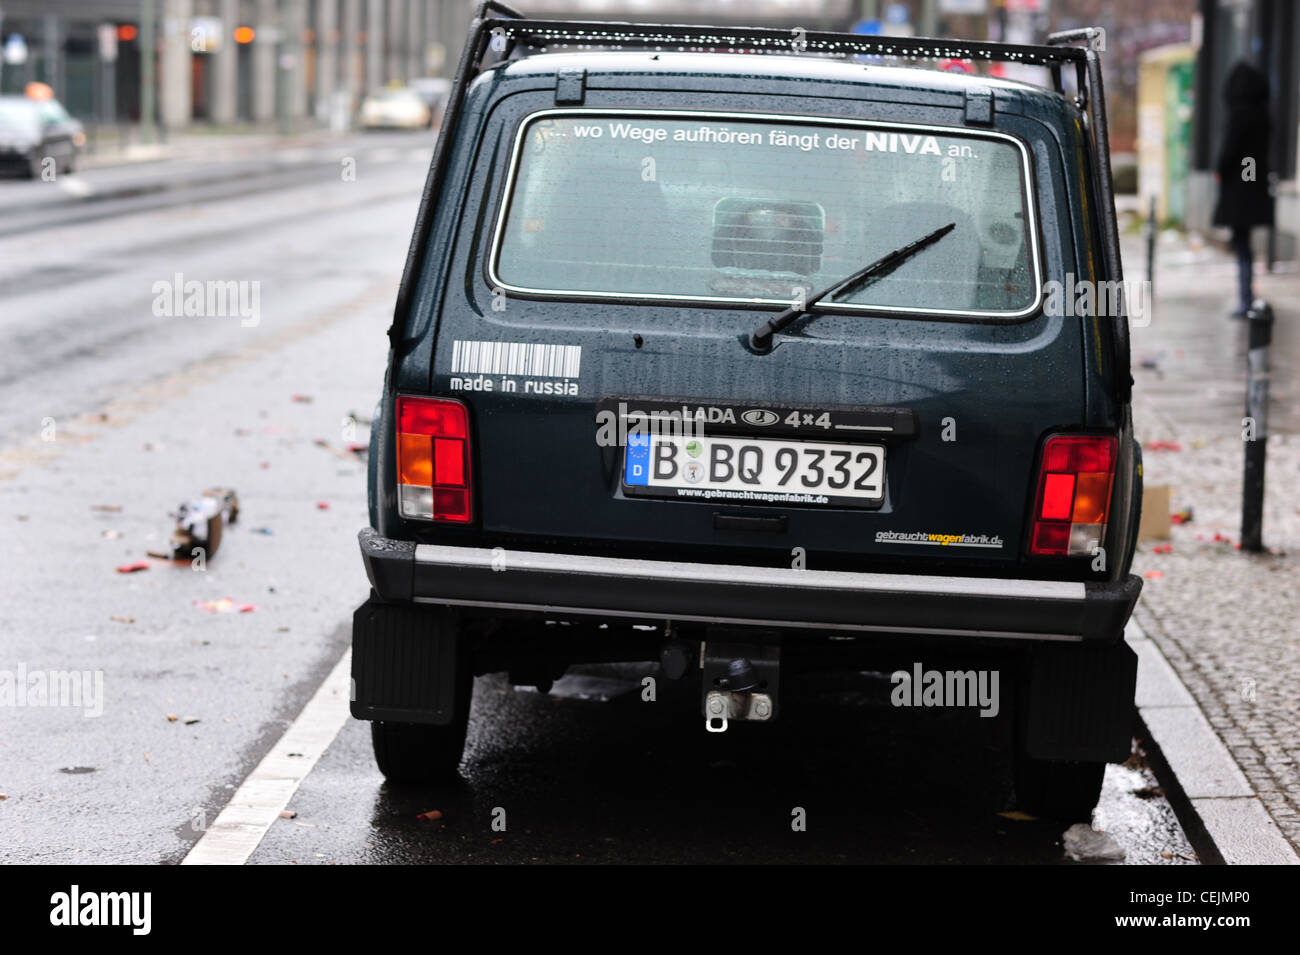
{"type": "Point", "coordinates": [1222, 815]}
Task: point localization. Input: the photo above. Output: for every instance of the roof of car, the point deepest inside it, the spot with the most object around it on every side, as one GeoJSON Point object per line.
{"type": "Point", "coordinates": [767, 66]}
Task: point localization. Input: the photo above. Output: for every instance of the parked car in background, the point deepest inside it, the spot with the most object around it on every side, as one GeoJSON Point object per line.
{"type": "Point", "coordinates": [33, 130]}
{"type": "Point", "coordinates": [397, 107]}
{"type": "Point", "coordinates": [434, 90]}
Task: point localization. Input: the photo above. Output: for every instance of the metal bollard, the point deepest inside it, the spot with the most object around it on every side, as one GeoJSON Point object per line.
{"type": "Point", "coordinates": [1260, 317]}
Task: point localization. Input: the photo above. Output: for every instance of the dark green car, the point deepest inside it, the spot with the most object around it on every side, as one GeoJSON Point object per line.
{"type": "Point", "coordinates": [752, 353]}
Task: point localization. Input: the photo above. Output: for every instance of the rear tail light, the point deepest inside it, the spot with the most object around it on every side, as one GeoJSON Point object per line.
{"type": "Point", "coordinates": [1074, 483]}
{"type": "Point", "coordinates": [433, 470]}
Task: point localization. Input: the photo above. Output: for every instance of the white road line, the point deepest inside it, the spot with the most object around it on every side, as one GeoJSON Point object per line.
{"type": "Point", "coordinates": [257, 804]}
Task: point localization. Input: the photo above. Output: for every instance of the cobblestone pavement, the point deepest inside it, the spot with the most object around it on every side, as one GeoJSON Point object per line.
{"type": "Point", "coordinates": [1226, 620]}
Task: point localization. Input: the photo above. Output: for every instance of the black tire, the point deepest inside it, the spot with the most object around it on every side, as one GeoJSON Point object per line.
{"type": "Point", "coordinates": [408, 752]}
{"type": "Point", "coordinates": [425, 752]}
{"type": "Point", "coordinates": [1065, 791]}
{"type": "Point", "coordinates": [418, 752]}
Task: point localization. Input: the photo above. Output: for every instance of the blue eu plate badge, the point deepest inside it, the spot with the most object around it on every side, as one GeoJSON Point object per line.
{"type": "Point", "coordinates": [636, 467]}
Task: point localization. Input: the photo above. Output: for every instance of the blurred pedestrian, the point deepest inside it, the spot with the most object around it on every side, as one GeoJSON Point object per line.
{"type": "Point", "coordinates": [1244, 199]}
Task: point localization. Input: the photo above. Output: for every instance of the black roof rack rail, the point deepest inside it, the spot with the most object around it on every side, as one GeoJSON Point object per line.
{"type": "Point", "coordinates": [548, 33]}
{"type": "Point", "coordinates": [499, 32]}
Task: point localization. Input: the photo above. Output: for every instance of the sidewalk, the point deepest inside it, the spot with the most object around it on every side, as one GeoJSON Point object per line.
{"type": "Point", "coordinates": [1225, 620]}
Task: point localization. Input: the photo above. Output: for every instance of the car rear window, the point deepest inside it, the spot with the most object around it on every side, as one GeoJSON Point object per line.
{"type": "Point", "coordinates": [753, 209]}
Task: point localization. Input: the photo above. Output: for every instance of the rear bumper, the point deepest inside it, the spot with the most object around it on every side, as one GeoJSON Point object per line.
{"type": "Point", "coordinates": [655, 590]}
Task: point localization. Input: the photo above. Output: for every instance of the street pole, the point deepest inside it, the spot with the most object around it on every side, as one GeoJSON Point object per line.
{"type": "Point", "coordinates": [147, 44]}
{"type": "Point", "coordinates": [929, 18]}
{"type": "Point", "coordinates": [1151, 247]}
{"type": "Point", "coordinates": [1260, 320]}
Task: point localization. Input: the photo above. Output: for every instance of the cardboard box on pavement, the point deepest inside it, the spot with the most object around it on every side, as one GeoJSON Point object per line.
{"type": "Point", "coordinates": [1155, 513]}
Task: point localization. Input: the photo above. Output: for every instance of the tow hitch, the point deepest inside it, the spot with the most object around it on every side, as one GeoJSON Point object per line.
{"type": "Point", "coordinates": [740, 682]}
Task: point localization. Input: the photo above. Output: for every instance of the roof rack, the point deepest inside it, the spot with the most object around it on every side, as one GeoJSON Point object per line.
{"type": "Point", "coordinates": [499, 33]}
{"type": "Point", "coordinates": [548, 33]}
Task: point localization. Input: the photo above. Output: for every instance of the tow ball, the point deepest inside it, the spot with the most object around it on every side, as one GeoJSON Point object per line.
{"type": "Point", "coordinates": [740, 683]}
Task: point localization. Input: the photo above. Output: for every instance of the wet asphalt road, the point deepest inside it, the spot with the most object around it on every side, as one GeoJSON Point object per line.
{"type": "Point", "coordinates": [110, 415]}
{"type": "Point", "coordinates": [592, 773]}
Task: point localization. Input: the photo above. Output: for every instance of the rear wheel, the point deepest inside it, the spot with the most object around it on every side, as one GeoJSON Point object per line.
{"type": "Point", "coordinates": [426, 752]}
{"type": "Point", "coordinates": [418, 752]}
{"type": "Point", "coordinates": [1058, 790]}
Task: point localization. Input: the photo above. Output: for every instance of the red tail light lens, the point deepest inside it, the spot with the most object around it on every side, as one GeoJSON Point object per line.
{"type": "Point", "coordinates": [433, 469]}
{"type": "Point", "coordinates": [1074, 483]}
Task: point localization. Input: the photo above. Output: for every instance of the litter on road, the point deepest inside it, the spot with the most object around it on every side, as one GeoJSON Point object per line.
{"type": "Point", "coordinates": [224, 605]}
{"type": "Point", "coordinates": [199, 523]}
{"type": "Point", "coordinates": [347, 455]}
{"type": "Point", "coordinates": [1085, 844]}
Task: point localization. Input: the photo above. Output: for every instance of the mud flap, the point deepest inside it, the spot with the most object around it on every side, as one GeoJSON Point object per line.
{"type": "Point", "coordinates": [405, 664]}
{"type": "Point", "coordinates": [1078, 704]}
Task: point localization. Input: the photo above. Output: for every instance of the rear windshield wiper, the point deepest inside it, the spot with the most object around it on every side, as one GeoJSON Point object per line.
{"type": "Point", "coordinates": [762, 338]}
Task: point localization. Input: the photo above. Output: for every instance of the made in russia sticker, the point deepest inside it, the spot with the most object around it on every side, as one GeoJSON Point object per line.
{"type": "Point", "coordinates": [514, 367]}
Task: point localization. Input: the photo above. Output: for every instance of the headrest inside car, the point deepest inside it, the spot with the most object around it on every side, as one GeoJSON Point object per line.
{"type": "Point", "coordinates": [762, 235]}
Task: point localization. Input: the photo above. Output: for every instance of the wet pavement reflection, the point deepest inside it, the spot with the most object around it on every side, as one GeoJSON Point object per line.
{"type": "Point", "coordinates": [592, 773]}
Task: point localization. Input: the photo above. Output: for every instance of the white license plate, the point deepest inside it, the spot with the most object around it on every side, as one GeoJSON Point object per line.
{"type": "Point", "coordinates": [754, 470]}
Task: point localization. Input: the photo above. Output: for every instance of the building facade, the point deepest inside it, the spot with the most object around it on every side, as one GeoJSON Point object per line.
{"type": "Point", "coordinates": [224, 61]}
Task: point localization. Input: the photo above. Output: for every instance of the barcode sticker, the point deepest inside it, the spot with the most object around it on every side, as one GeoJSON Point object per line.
{"type": "Point", "coordinates": [515, 358]}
